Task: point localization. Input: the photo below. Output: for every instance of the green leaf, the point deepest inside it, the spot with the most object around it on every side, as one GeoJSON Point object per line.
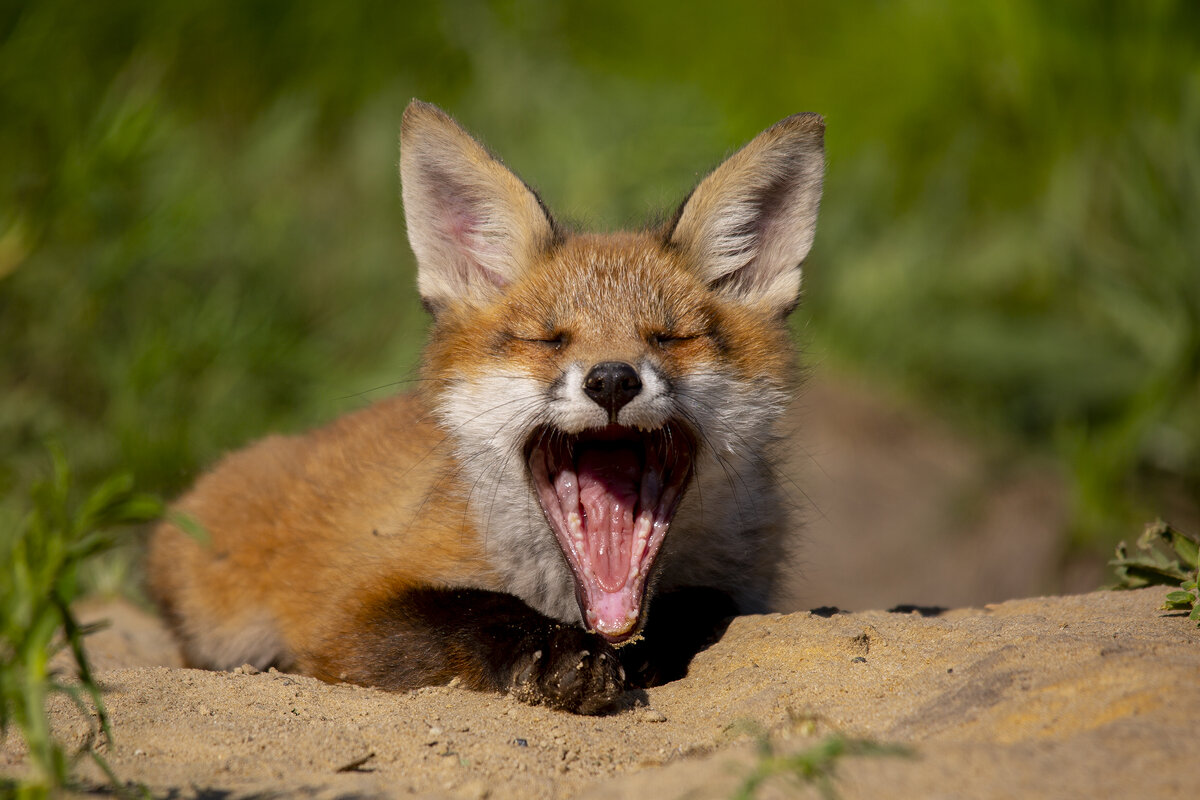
{"type": "Point", "coordinates": [97, 509]}
{"type": "Point", "coordinates": [1152, 564]}
{"type": "Point", "coordinates": [1188, 549]}
{"type": "Point", "coordinates": [1153, 533]}
{"type": "Point", "coordinates": [1180, 598]}
{"type": "Point", "coordinates": [189, 525]}
{"type": "Point", "coordinates": [141, 508]}
{"type": "Point", "coordinates": [1150, 574]}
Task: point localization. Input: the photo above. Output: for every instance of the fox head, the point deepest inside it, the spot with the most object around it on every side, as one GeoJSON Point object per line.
{"type": "Point", "coordinates": [610, 398]}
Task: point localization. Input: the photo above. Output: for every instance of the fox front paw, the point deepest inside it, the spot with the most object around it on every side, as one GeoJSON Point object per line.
{"type": "Point", "coordinates": [572, 671]}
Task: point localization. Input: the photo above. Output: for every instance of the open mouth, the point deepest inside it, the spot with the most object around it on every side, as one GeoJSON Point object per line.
{"type": "Point", "coordinates": [610, 494]}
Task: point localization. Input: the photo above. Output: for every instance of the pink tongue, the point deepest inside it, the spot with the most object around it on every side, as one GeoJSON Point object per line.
{"type": "Point", "coordinates": [609, 482]}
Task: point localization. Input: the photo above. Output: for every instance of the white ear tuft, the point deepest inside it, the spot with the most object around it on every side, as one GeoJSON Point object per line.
{"type": "Point", "coordinates": [473, 225]}
{"type": "Point", "coordinates": [749, 224]}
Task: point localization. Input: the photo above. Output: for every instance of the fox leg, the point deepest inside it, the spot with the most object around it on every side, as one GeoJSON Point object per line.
{"type": "Point", "coordinates": [487, 640]}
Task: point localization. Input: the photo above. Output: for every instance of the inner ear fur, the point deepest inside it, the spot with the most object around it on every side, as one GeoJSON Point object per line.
{"type": "Point", "coordinates": [473, 225]}
{"type": "Point", "coordinates": [747, 227]}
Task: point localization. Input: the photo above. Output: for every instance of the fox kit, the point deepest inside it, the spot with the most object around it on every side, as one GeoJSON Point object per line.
{"type": "Point", "coordinates": [581, 490]}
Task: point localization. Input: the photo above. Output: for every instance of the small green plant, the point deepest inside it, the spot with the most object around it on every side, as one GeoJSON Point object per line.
{"type": "Point", "coordinates": [41, 559]}
{"type": "Point", "coordinates": [1165, 556]}
{"type": "Point", "coordinates": [815, 765]}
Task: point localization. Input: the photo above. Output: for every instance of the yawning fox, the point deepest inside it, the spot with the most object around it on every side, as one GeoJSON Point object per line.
{"type": "Point", "coordinates": [582, 488]}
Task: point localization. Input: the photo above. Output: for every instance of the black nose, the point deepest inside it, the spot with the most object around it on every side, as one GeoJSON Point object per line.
{"type": "Point", "coordinates": [612, 384]}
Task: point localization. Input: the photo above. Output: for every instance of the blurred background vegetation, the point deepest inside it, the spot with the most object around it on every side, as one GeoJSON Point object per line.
{"type": "Point", "coordinates": [201, 238]}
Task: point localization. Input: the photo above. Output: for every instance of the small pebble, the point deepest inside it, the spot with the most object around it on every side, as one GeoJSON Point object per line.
{"type": "Point", "coordinates": [651, 715]}
{"type": "Point", "coordinates": [859, 660]}
{"type": "Point", "coordinates": [520, 743]}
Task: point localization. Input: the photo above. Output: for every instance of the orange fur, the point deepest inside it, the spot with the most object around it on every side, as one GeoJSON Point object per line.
{"type": "Point", "coordinates": [299, 527]}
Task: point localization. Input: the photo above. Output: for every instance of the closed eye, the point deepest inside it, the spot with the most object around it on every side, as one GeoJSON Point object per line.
{"type": "Point", "coordinates": [668, 339]}
{"type": "Point", "coordinates": [555, 341]}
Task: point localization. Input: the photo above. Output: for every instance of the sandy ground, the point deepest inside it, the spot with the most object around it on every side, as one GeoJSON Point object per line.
{"type": "Point", "coordinates": [1069, 696]}
{"type": "Point", "coordinates": [1076, 696]}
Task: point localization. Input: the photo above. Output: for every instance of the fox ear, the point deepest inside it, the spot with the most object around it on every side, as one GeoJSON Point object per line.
{"type": "Point", "coordinates": [749, 224]}
{"type": "Point", "coordinates": [472, 223]}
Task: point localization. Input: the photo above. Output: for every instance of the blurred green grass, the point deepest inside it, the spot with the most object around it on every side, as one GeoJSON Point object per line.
{"type": "Point", "coordinates": [44, 557]}
{"type": "Point", "coordinates": [201, 238]}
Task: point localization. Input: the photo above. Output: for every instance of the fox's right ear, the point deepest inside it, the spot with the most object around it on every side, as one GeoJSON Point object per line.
{"type": "Point", "coordinates": [472, 223]}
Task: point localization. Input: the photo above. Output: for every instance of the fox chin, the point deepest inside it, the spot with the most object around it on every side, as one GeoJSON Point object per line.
{"type": "Point", "coordinates": [582, 491]}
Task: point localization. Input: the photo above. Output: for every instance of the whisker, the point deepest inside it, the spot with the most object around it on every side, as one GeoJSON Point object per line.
{"type": "Point", "coordinates": [488, 449]}
{"type": "Point", "coordinates": [778, 475]}
{"type": "Point", "coordinates": [467, 459]}
{"type": "Point", "coordinates": [401, 382]}
{"type": "Point", "coordinates": [722, 462]}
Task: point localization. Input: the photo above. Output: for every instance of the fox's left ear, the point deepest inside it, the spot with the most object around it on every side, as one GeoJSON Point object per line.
{"type": "Point", "coordinates": [749, 224]}
{"type": "Point", "coordinates": [473, 225]}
